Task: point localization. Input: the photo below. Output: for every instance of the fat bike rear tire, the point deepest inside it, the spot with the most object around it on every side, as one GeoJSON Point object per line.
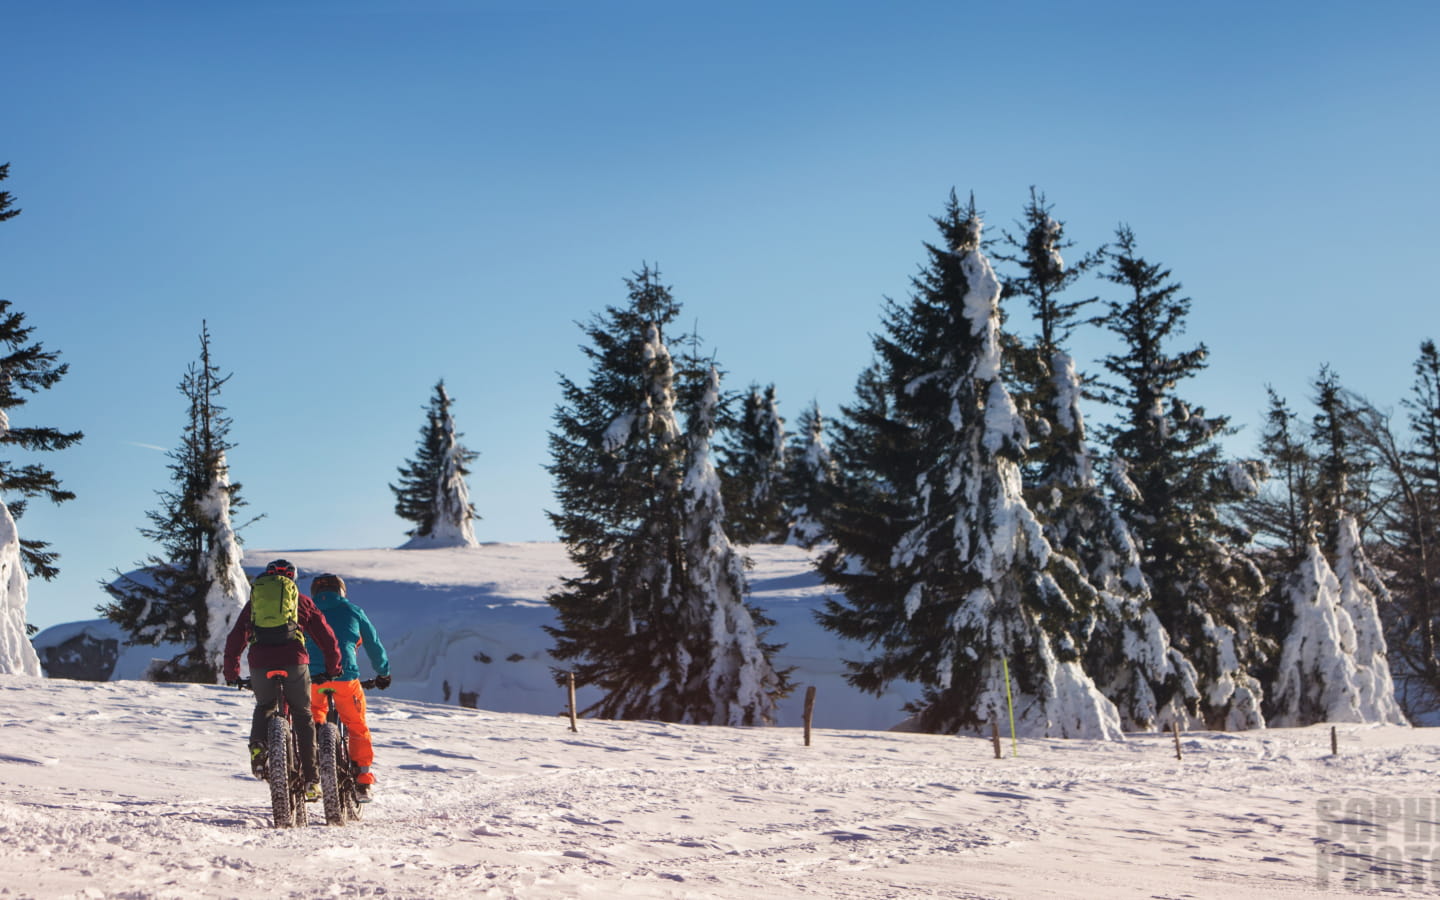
{"type": "Point", "coordinates": [277, 772]}
{"type": "Point", "coordinates": [327, 750]}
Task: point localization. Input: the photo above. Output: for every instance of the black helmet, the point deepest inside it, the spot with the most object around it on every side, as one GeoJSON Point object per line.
{"type": "Point", "coordinates": [281, 567]}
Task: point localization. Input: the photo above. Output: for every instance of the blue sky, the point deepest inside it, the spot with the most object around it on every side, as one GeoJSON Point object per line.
{"type": "Point", "coordinates": [364, 197]}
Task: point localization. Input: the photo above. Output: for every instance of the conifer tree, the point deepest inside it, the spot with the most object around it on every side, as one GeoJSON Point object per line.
{"type": "Point", "coordinates": [25, 368]}
{"type": "Point", "coordinates": [730, 675]}
{"type": "Point", "coordinates": [971, 590]}
{"type": "Point", "coordinates": [1320, 619]}
{"type": "Point", "coordinates": [1127, 650]}
{"type": "Point", "coordinates": [653, 619]}
{"type": "Point", "coordinates": [809, 480]}
{"type": "Point", "coordinates": [1340, 488]}
{"type": "Point", "coordinates": [872, 503]}
{"type": "Point", "coordinates": [432, 491]}
{"type": "Point", "coordinates": [752, 465]}
{"type": "Point", "coordinates": [1281, 512]}
{"type": "Point", "coordinates": [1174, 488]}
{"type": "Point", "coordinates": [1342, 501]}
{"type": "Point", "coordinates": [192, 591]}
{"type": "Point", "coordinates": [1315, 680]}
{"type": "Point", "coordinates": [1413, 552]}
{"type": "Point", "coordinates": [1407, 548]}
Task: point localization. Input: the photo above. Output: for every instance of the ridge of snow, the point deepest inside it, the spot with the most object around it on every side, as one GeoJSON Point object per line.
{"type": "Point", "coordinates": [466, 623]}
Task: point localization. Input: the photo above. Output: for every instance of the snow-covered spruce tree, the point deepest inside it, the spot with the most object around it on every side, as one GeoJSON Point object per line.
{"type": "Point", "coordinates": [1280, 515]}
{"type": "Point", "coordinates": [1126, 649]}
{"type": "Point", "coordinates": [1329, 661]}
{"type": "Point", "coordinates": [1315, 680]}
{"type": "Point", "coordinates": [1362, 591]}
{"type": "Point", "coordinates": [971, 586]}
{"type": "Point", "coordinates": [639, 621]}
{"type": "Point", "coordinates": [432, 491]}
{"type": "Point", "coordinates": [752, 466]}
{"type": "Point", "coordinates": [28, 368]}
{"type": "Point", "coordinates": [25, 368]}
{"type": "Point", "coordinates": [1342, 499]}
{"type": "Point", "coordinates": [809, 479]}
{"type": "Point", "coordinates": [17, 655]}
{"type": "Point", "coordinates": [729, 671]}
{"type": "Point", "coordinates": [1173, 487]}
{"type": "Point", "coordinates": [1312, 674]}
{"type": "Point", "coordinates": [192, 591]}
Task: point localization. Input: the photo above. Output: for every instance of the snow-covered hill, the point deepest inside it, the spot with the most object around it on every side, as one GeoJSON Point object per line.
{"type": "Point", "coordinates": [141, 791]}
{"type": "Point", "coordinates": [464, 626]}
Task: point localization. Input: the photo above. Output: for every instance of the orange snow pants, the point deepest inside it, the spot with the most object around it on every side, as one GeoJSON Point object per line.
{"type": "Point", "coordinates": [350, 704]}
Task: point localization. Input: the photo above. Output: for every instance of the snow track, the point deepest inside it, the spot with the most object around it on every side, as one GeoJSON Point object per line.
{"type": "Point", "coordinates": [133, 790]}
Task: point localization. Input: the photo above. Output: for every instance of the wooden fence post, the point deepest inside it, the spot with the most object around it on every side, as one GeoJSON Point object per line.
{"type": "Point", "coordinates": [1175, 729]}
{"type": "Point", "coordinates": [995, 735]}
{"type": "Point", "coordinates": [809, 711]}
{"type": "Point", "coordinates": [1334, 742]}
{"type": "Point", "coordinates": [573, 726]}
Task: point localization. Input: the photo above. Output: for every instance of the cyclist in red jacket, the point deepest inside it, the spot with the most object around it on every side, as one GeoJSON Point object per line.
{"type": "Point", "coordinates": [290, 656]}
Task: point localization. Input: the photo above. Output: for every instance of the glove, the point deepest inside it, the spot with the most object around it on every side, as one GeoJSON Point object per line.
{"type": "Point", "coordinates": [382, 681]}
{"type": "Point", "coordinates": [334, 676]}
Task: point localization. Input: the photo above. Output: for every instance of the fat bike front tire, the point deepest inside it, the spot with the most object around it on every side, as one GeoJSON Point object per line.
{"type": "Point", "coordinates": [297, 783]}
{"type": "Point", "coordinates": [277, 772]}
{"type": "Point", "coordinates": [327, 749]}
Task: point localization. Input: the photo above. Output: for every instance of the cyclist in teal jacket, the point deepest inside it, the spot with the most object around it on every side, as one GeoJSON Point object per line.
{"type": "Point", "coordinates": [352, 628]}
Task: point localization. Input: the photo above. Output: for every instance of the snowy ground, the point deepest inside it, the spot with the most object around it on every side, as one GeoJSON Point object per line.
{"type": "Point", "coordinates": [136, 790]}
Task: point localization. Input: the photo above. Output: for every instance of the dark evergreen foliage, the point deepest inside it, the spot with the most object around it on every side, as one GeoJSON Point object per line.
{"type": "Point", "coordinates": [809, 479]}
{"type": "Point", "coordinates": [752, 466]}
{"type": "Point", "coordinates": [943, 570]}
{"type": "Point", "coordinates": [1407, 526]}
{"type": "Point", "coordinates": [869, 509]}
{"type": "Point", "coordinates": [169, 600]}
{"type": "Point", "coordinates": [1057, 439]}
{"type": "Point", "coordinates": [1281, 514]}
{"type": "Point", "coordinates": [1204, 587]}
{"type": "Point", "coordinates": [27, 368]}
{"type": "Point", "coordinates": [420, 495]}
{"type": "Point", "coordinates": [1340, 474]}
{"type": "Point", "coordinates": [1318, 485]}
{"type": "Point", "coordinates": [633, 621]}
{"type": "Point", "coordinates": [1123, 648]}
{"type": "Point", "coordinates": [618, 461]}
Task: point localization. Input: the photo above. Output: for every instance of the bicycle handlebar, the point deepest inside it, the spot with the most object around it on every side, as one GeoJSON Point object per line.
{"type": "Point", "coordinates": [367, 683]}
{"type": "Point", "coordinates": [246, 684]}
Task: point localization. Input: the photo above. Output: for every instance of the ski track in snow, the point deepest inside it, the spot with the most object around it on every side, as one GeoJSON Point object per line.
{"type": "Point", "coordinates": [137, 790]}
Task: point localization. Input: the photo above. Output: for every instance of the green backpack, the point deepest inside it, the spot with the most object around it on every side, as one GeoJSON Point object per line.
{"type": "Point", "coordinates": [274, 610]}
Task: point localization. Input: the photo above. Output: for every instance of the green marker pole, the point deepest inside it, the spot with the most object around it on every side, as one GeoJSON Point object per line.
{"type": "Point", "coordinates": [1010, 704]}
